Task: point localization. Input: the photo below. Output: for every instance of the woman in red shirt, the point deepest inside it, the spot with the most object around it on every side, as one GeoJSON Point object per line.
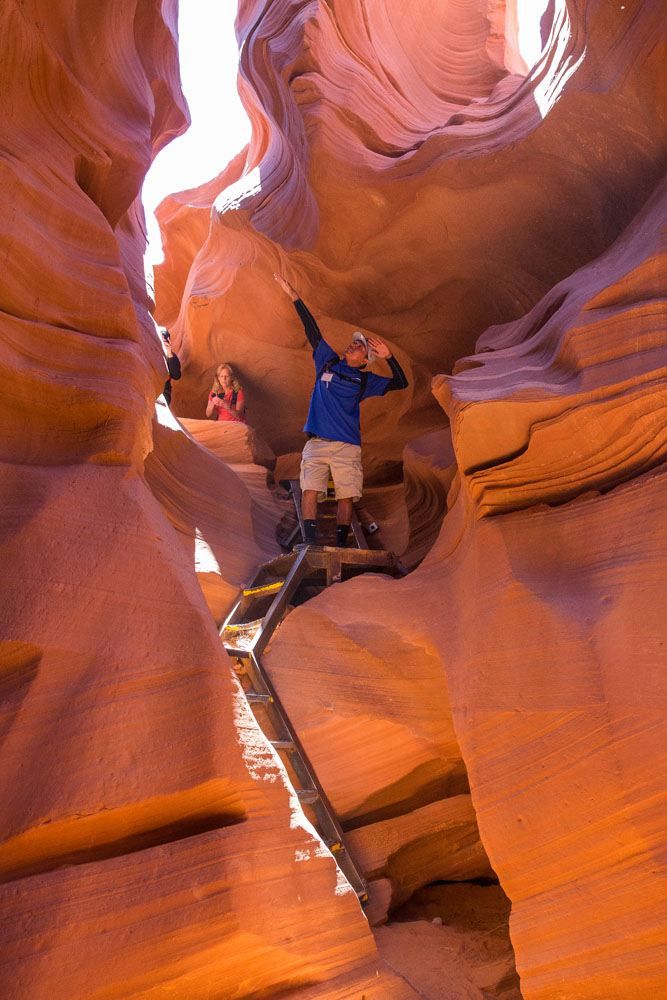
{"type": "Point", "coordinates": [226, 400]}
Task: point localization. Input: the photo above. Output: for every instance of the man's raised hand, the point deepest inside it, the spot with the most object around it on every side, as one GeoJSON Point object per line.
{"type": "Point", "coordinates": [378, 347]}
{"type": "Point", "coordinates": [286, 287]}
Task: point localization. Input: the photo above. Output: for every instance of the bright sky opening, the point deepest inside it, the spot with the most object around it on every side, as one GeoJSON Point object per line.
{"type": "Point", "coordinates": [220, 127]}
{"type": "Point", "coordinates": [530, 13]}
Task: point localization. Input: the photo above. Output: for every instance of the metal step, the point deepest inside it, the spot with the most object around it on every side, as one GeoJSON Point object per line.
{"type": "Point", "coordinates": [236, 654]}
{"type": "Point", "coordinates": [268, 588]}
{"type": "Point", "coordinates": [283, 744]}
{"type": "Point", "coordinates": [307, 796]}
{"type": "Point", "coordinates": [255, 698]}
{"type": "Point", "coordinates": [233, 627]}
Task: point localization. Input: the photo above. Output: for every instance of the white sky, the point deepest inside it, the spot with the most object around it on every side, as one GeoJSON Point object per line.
{"type": "Point", "coordinates": [220, 127]}
{"type": "Point", "coordinates": [530, 43]}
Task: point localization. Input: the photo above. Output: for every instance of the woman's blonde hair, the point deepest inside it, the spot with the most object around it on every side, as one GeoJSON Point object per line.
{"type": "Point", "coordinates": [236, 385]}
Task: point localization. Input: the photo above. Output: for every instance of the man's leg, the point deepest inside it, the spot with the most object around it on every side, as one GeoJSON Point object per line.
{"type": "Point", "coordinates": [343, 519]}
{"type": "Point", "coordinates": [309, 515]}
{"type": "Point", "coordinates": [313, 480]}
{"type": "Point", "coordinates": [309, 504]}
{"type": "Point", "coordinates": [348, 478]}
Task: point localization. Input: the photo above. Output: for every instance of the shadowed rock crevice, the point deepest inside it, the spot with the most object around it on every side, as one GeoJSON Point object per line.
{"type": "Point", "coordinates": [19, 664]}
{"type": "Point", "coordinates": [392, 801]}
{"type": "Point", "coordinates": [500, 227]}
{"type": "Point", "coordinates": [85, 840]}
{"type": "Point", "coordinates": [468, 920]}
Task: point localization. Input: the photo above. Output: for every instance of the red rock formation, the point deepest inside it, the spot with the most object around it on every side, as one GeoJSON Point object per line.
{"type": "Point", "coordinates": [409, 179]}
{"type": "Point", "coordinates": [536, 615]}
{"type": "Point", "coordinates": [437, 843]}
{"type": "Point", "coordinates": [440, 961]}
{"type": "Point", "coordinates": [415, 206]}
{"type": "Point", "coordinates": [236, 444]}
{"type": "Point", "coordinates": [148, 839]}
{"type": "Point", "coordinates": [222, 512]}
{"type": "Point", "coordinates": [467, 947]}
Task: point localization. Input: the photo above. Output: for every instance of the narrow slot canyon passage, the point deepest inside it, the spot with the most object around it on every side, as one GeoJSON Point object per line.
{"type": "Point", "coordinates": [333, 348]}
{"type": "Point", "coordinates": [404, 836]}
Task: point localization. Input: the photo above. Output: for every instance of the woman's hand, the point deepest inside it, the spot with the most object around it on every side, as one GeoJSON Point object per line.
{"type": "Point", "coordinates": [286, 287]}
{"type": "Point", "coordinates": [218, 400]}
{"type": "Point", "coordinates": [378, 347]}
{"type": "Point", "coordinates": [210, 405]}
{"type": "Point", "coordinates": [166, 340]}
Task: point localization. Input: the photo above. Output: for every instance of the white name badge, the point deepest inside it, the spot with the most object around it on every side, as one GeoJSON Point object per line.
{"type": "Point", "coordinates": [327, 376]}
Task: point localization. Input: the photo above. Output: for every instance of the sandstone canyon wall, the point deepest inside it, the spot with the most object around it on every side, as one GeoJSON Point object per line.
{"type": "Point", "coordinates": [500, 226]}
{"type": "Point", "coordinates": [412, 176]}
{"type": "Point", "coordinates": [149, 842]}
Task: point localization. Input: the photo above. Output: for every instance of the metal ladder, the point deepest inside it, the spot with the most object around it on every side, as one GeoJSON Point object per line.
{"type": "Point", "coordinates": [277, 585]}
{"type": "Point", "coordinates": [326, 517]}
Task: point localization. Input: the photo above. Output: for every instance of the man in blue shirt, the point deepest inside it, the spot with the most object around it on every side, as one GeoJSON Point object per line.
{"type": "Point", "coordinates": [334, 436]}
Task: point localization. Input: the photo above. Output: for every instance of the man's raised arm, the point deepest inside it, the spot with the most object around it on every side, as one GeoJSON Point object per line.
{"type": "Point", "coordinates": [306, 317]}
{"type": "Point", "coordinates": [398, 379]}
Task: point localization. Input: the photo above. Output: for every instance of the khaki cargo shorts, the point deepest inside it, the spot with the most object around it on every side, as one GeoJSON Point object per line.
{"type": "Point", "coordinates": [344, 461]}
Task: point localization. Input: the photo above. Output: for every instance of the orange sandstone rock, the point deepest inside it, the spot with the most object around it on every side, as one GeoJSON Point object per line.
{"type": "Point", "coordinates": [149, 841]}
{"type": "Point", "coordinates": [223, 513]}
{"type": "Point", "coordinates": [234, 443]}
{"type": "Point", "coordinates": [437, 843]}
{"type": "Point", "coordinates": [411, 180]}
{"type": "Point", "coordinates": [412, 177]}
{"type": "Point", "coordinates": [191, 911]}
{"type": "Point", "coordinates": [403, 175]}
{"type": "Point", "coordinates": [443, 963]}
{"type": "Point", "coordinates": [370, 706]}
{"type": "Point", "coordinates": [549, 625]}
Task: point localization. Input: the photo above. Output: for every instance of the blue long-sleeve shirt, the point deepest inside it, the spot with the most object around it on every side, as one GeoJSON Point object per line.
{"type": "Point", "coordinates": [339, 388]}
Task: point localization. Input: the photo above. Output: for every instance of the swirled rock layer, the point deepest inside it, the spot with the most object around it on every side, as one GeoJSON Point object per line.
{"type": "Point", "coordinates": [544, 628]}
{"type": "Point", "coordinates": [149, 841]}
{"type": "Point", "coordinates": [403, 174]}
{"type": "Point", "coordinates": [413, 178]}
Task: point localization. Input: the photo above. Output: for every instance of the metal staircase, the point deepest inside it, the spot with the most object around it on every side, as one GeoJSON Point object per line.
{"type": "Point", "coordinates": [326, 517]}
{"type": "Point", "coordinates": [279, 586]}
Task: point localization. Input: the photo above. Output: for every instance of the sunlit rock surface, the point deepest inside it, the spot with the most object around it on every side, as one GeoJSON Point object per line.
{"type": "Point", "coordinates": [149, 842]}
{"type": "Point", "coordinates": [413, 177]}
{"type": "Point", "coordinates": [236, 444]}
{"type": "Point", "coordinates": [498, 224]}
{"type": "Point", "coordinates": [407, 185]}
{"type": "Point", "coordinates": [222, 511]}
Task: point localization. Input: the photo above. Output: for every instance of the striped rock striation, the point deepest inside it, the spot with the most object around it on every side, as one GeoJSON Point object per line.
{"type": "Point", "coordinates": [149, 841]}
{"type": "Point", "coordinates": [535, 634]}
{"type": "Point", "coordinates": [498, 223]}
{"type": "Point", "coordinates": [404, 179]}
{"type": "Point", "coordinates": [498, 709]}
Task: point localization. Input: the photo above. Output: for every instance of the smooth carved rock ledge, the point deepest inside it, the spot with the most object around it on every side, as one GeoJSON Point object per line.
{"type": "Point", "coordinates": [500, 708]}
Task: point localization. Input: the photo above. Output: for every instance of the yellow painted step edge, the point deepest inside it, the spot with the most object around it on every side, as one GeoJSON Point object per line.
{"type": "Point", "coordinates": [268, 589]}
